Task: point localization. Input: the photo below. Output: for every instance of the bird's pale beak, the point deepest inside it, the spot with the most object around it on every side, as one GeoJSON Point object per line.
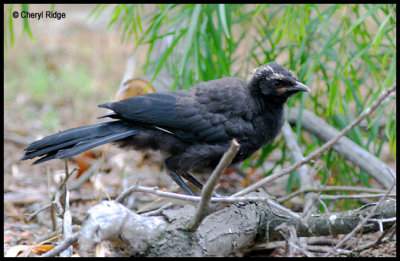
{"type": "Point", "coordinates": [300, 87]}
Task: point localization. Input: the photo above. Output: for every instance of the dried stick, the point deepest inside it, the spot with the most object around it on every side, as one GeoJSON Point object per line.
{"type": "Point", "coordinates": [363, 221]}
{"type": "Point", "coordinates": [316, 153]}
{"type": "Point", "coordinates": [305, 178]}
{"type": "Point", "coordinates": [331, 188]}
{"type": "Point", "coordinates": [203, 209]}
{"type": "Point", "coordinates": [360, 196]}
{"type": "Point", "coordinates": [306, 181]}
{"type": "Point", "coordinates": [67, 225]}
{"type": "Point", "coordinates": [376, 242]}
{"type": "Point", "coordinates": [61, 247]}
{"type": "Point", "coordinates": [156, 191]}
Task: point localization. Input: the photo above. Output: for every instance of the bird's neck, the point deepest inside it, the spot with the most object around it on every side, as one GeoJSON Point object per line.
{"type": "Point", "coordinates": [277, 101]}
{"type": "Point", "coordinates": [270, 103]}
{"type": "Point", "coordinates": [273, 106]}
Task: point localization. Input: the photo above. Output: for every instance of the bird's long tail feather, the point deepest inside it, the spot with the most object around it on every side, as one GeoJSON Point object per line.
{"type": "Point", "coordinates": [74, 141]}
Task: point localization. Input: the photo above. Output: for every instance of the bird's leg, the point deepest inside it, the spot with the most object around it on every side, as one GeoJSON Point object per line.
{"type": "Point", "coordinates": [180, 182]}
{"type": "Point", "coordinates": [195, 181]}
{"type": "Point", "coordinates": [173, 170]}
{"type": "Point", "coordinates": [177, 173]}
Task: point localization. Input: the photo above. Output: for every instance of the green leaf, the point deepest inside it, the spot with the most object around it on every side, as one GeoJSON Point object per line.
{"type": "Point", "coordinates": [117, 11]}
{"type": "Point", "coordinates": [362, 18]}
{"type": "Point", "coordinates": [390, 79]}
{"type": "Point", "coordinates": [165, 55]}
{"type": "Point", "coordinates": [27, 28]}
{"type": "Point", "coordinates": [189, 37]}
{"type": "Point", "coordinates": [97, 11]}
{"type": "Point", "coordinates": [222, 16]}
{"type": "Point", "coordinates": [379, 35]}
{"type": "Point", "coordinates": [10, 26]}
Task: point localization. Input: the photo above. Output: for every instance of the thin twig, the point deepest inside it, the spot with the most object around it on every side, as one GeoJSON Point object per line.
{"type": "Point", "coordinates": [229, 200]}
{"type": "Point", "coordinates": [157, 211]}
{"type": "Point", "coordinates": [61, 247]}
{"type": "Point", "coordinates": [77, 184]}
{"type": "Point", "coordinates": [305, 177]}
{"type": "Point", "coordinates": [316, 153]}
{"type": "Point", "coordinates": [203, 209]}
{"type": "Point", "coordinates": [52, 235]}
{"type": "Point", "coordinates": [17, 139]}
{"type": "Point", "coordinates": [121, 198]}
{"type": "Point", "coordinates": [34, 214]}
{"type": "Point", "coordinates": [336, 197]}
{"type": "Point", "coordinates": [155, 191]}
{"type": "Point", "coordinates": [324, 249]}
{"type": "Point", "coordinates": [362, 222]}
{"type": "Point", "coordinates": [331, 188]}
{"type": "Point", "coordinates": [378, 241]}
{"type": "Point", "coordinates": [67, 225]}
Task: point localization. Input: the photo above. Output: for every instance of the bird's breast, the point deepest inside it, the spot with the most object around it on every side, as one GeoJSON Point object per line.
{"type": "Point", "coordinates": [265, 128]}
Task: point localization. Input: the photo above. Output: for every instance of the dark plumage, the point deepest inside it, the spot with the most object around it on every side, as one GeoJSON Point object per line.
{"type": "Point", "coordinates": [194, 127]}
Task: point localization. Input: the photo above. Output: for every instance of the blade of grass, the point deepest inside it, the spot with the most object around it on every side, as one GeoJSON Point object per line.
{"type": "Point", "coordinates": [117, 11]}
{"type": "Point", "coordinates": [363, 17]}
{"type": "Point", "coordinates": [222, 17]}
{"type": "Point", "coordinates": [27, 28]}
{"type": "Point", "coordinates": [97, 11]}
{"type": "Point", "coordinates": [189, 37]}
{"type": "Point", "coordinates": [166, 55]}
{"type": "Point", "coordinates": [10, 26]}
{"type": "Point", "coordinates": [379, 35]}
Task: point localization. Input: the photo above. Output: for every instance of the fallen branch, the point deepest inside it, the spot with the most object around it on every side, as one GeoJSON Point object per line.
{"type": "Point", "coordinates": [243, 223]}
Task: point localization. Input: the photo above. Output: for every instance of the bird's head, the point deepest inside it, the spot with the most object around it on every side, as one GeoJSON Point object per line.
{"type": "Point", "coordinates": [275, 82]}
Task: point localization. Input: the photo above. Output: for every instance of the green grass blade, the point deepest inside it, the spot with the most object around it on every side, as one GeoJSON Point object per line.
{"type": "Point", "coordinates": [10, 26]}
{"type": "Point", "coordinates": [27, 28]}
{"type": "Point", "coordinates": [189, 37]}
{"type": "Point", "coordinates": [379, 35]}
{"type": "Point", "coordinates": [363, 17]}
{"type": "Point", "coordinates": [222, 16]}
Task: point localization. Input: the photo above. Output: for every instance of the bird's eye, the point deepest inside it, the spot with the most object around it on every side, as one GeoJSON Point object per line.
{"type": "Point", "coordinates": [276, 83]}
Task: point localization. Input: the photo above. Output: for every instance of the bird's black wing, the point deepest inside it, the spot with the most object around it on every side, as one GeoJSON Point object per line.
{"type": "Point", "coordinates": [154, 109]}
{"type": "Point", "coordinates": [209, 112]}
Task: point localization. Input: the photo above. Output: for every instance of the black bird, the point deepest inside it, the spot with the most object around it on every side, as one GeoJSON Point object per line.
{"type": "Point", "coordinates": [193, 128]}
